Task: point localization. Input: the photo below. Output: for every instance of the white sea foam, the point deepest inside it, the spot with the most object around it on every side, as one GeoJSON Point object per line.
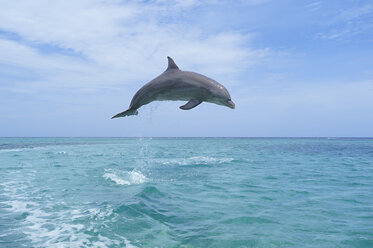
{"type": "Point", "coordinates": [21, 149]}
{"type": "Point", "coordinates": [59, 228]}
{"type": "Point", "coordinates": [12, 150]}
{"type": "Point", "coordinates": [128, 243]}
{"type": "Point", "coordinates": [100, 214]}
{"type": "Point", "coordinates": [125, 177]}
{"type": "Point", "coordinates": [40, 227]}
{"type": "Point", "coordinates": [116, 179]}
{"type": "Point", "coordinates": [195, 160]}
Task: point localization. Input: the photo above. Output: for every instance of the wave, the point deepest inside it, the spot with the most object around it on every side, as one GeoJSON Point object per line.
{"type": "Point", "coordinates": [16, 150]}
{"type": "Point", "coordinates": [125, 177]}
{"type": "Point", "coordinates": [199, 160]}
{"type": "Point", "coordinates": [72, 226]}
{"type": "Point", "coordinates": [12, 150]}
{"type": "Point", "coordinates": [45, 230]}
{"type": "Point", "coordinates": [20, 149]}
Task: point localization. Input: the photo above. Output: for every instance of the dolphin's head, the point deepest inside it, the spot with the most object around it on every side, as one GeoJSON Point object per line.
{"type": "Point", "coordinates": [230, 104]}
{"type": "Point", "coordinates": [227, 102]}
{"type": "Point", "coordinates": [222, 97]}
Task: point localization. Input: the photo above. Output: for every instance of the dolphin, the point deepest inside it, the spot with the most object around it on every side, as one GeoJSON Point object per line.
{"type": "Point", "coordinates": [175, 84]}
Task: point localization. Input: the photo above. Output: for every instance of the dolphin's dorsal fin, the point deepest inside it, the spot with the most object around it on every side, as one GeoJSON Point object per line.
{"type": "Point", "coordinates": [171, 64]}
{"type": "Point", "coordinates": [191, 104]}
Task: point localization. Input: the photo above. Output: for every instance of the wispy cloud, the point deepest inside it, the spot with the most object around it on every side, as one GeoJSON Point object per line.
{"type": "Point", "coordinates": [346, 23]}
{"type": "Point", "coordinates": [254, 2]}
{"type": "Point", "coordinates": [313, 6]}
{"type": "Point", "coordinates": [111, 43]}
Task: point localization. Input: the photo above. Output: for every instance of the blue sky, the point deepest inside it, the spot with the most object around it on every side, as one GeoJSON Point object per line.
{"type": "Point", "coordinates": [293, 68]}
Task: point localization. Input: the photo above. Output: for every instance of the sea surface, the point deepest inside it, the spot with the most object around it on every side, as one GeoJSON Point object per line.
{"type": "Point", "coordinates": [186, 192]}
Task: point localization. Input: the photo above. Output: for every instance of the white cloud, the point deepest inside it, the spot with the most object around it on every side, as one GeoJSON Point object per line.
{"type": "Point", "coordinates": [355, 13]}
{"type": "Point", "coordinates": [346, 23]}
{"type": "Point", "coordinates": [110, 43]}
{"type": "Point", "coordinates": [313, 6]}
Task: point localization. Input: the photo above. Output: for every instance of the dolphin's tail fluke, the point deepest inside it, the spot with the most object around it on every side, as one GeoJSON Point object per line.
{"type": "Point", "coordinates": [126, 113]}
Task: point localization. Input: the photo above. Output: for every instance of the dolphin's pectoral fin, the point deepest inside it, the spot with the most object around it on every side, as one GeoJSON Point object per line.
{"type": "Point", "coordinates": [191, 104]}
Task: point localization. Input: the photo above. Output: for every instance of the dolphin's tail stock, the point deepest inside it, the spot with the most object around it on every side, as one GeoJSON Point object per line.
{"type": "Point", "coordinates": [126, 113]}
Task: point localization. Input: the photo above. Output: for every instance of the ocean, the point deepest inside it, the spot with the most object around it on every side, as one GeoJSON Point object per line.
{"type": "Point", "coordinates": [186, 192]}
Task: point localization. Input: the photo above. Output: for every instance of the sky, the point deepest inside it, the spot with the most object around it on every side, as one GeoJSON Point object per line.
{"type": "Point", "coordinates": [293, 68]}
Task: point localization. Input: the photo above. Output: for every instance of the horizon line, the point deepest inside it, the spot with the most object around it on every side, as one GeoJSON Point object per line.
{"type": "Point", "coordinates": [247, 137]}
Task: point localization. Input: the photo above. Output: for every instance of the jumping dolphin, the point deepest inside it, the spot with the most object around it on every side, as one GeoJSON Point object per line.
{"type": "Point", "coordinates": [175, 84]}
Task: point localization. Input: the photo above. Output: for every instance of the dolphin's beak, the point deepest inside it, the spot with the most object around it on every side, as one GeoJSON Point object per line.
{"type": "Point", "coordinates": [231, 104]}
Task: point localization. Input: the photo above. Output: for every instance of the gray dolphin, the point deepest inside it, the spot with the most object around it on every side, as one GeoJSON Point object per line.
{"type": "Point", "coordinates": [175, 84]}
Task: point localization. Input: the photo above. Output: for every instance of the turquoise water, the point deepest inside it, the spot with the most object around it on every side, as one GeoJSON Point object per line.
{"type": "Point", "coordinates": [179, 192]}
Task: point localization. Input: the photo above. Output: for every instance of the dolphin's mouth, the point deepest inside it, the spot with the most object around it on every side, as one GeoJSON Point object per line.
{"type": "Point", "coordinates": [231, 104]}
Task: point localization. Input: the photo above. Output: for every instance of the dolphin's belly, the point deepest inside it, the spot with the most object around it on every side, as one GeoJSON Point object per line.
{"type": "Point", "coordinates": [177, 93]}
{"type": "Point", "coordinates": [168, 90]}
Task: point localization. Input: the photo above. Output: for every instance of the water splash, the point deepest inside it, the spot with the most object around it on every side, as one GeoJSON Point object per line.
{"type": "Point", "coordinates": [125, 177]}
